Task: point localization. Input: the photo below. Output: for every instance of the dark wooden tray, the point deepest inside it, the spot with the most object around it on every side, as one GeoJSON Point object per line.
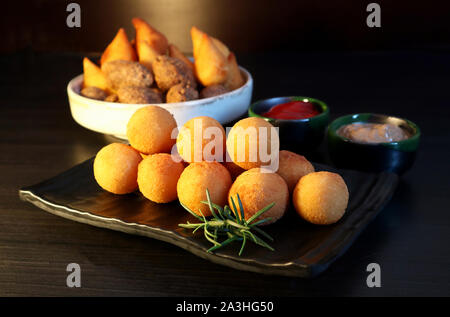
{"type": "Point", "coordinates": [301, 249]}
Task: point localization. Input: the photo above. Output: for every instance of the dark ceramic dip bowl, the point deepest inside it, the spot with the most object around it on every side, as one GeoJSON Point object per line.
{"type": "Point", "coordinates": [298, 135]}
{"type": "Point", "coordinates": [395, 157]}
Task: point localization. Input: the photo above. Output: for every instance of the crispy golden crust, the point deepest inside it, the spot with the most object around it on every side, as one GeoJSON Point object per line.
{"type": "Point", "coordinates": [93, 76]}
{"type": "Point", "coordinates": [292, 167]}
{"type": "Point", "coordinates": [211, 65]}
{"type": "Point", "coordinates": [120, 73]}
{"type": "Point", "coordinates": [149, 130]}
{"type": "Point", "coordinates": [116, 167]}
{"type": "Point", "coordinates": [138, 95]}
{"type": "Point", "coordinates": [93, 93]}
{"type": "Point", "coordinates": [175, 52]}
{"type": "Point", "coordinates": [321, 197]}
{"type": "Point", "coordinates": [158, 176]}
{"type": "Point", "coordinates": [146, 33]}
{"type": "Point", "coordinates": [198, 177]}
{"type": "Point", "coordinates": [171, 71]}
{"type": "Point", "coordinates": [191, 145]}
{"type": "Point", "coordinates": [237, 138]}
{"type": "Point", "coordinates": [119, 48]}
{"type": "Point", "coordinates": [181, 93]}
{"type": "Point", "coordinates": [257, 190]}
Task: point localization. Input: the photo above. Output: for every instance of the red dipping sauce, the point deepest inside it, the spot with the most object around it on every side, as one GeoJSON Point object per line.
{"type": "Point", "coordinates": [293, 110]}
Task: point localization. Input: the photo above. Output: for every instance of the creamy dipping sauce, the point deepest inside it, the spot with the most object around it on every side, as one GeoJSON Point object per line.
{"type": "Point", "coordinates": [372, 132]}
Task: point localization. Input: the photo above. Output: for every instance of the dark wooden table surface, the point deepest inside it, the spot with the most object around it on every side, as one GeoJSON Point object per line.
{"type": "Point", "coordinates": [409, 239]}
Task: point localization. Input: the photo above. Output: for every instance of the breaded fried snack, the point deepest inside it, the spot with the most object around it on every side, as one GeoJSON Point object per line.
{"type": "Point", "coordinates": [257, 190]}
{"type": "Point", "coordinates": [146, 54]}
{"type": "Point", "coordinates": [171, 71]}
{"type": "Point", "coordinates": [211, 65]}
{"type": "Point", "coordinates": [116, 167]}
{"type": "Point", "coordinates": [93, 76]}
{"type": "Point", "coordinates": [120, 73]}
{"type": "Point", "coordinates": [180, 93]}
{"type": "Point", "coordinates": [175, 52]}
{"type": "Point", "coordinates": [321, 197]}
{"type": "Point", "coordinates": [234, 79]}
{"type": "Point", "coordinates": [138, 95]}
{"type": "Point", "coordinates": [93, 93]}
{"type": "Point", "coordinates": [112, 98]}
{"type": "Point", "coordinates": [149, 130]}
{"type": "Point", "coordinates": [198, 177]}
{"type": "Point", "coordinates": [245, 140]}
{"type": "Point", "coordinates": [145, 32]}
{"type": "Point", "coordinates": [158, 176]}
{"type": "Point", "coordinates": [213, 90]}
{"type": "Point", "coordinates": [119, 48]}
{"type": "Point", "coordinates": [292, 167]}
{"type": "Point", "coordinates": [201, 139]}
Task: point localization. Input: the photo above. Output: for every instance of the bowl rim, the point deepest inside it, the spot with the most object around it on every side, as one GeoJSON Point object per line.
{"type": "Point", "coordinates": [408, 143]}
{"type": "Point", "coordinates": [324, 113]}
{"type": "Point", "coordinates": [197, 102]}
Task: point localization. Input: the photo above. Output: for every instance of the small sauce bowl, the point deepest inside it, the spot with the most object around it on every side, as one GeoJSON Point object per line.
{"type": "Point", "coordinates": [298, 135]}
{"type": "Point", "coordinates": [395, 157]}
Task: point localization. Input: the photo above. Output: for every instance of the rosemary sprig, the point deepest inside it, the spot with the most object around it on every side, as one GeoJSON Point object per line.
{"type": "Point", "coordinates": [227, 225]}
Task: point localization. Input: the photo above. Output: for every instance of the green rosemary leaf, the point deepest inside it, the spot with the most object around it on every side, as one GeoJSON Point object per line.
{"type": "Point", "coordinates": [191, 212]}
{"type": "Point", "coordinates": [241, 208]}
{"type": "Point", "coordinates": [259, 213]}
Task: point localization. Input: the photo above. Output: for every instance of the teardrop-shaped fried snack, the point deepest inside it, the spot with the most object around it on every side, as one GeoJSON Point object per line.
{"type": "Point", "coordinates": [146, 54]}
{"type": "Point", "coordinates": [211, 66]}
{"type": "Point", "coordinates": [222, 47]}
{"type": "Point", "coordinates": [119, 48]}
{"type": "Point", "coordinates": [235, 79]}
{"type": "Point", "coordinates": [176, 53]}
{"type": "Point", "coordinates": [145, 32]}
{"type": "Point", "coordinates": [93, 76]}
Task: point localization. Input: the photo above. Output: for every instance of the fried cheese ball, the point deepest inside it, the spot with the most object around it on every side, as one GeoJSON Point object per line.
{"type": "Point", "coordinates": [116, 167]}
{"type": "Point", "coordinates": [258, 189]}
{"type": "Point", "coordinates": [292, 167]}
{"type": "Point", "coordinates": [213, 90]}
{"type": "Point", "coordinates": [149, 130]}
{"type": "Point", "coordinates": [93, 93]}
{"type": "Point", "coordinates": [198, 177]}
{"type": "Point", "coordinates": [158, 175]}
{"type": "Point", "coordinates": [138, 95]}
{"type": "Point", "coordinates": [180, 93]}
{"type": "Point", "coordinates": [321, 198]}
{"type": "Point", "coordinates": [171, 71]}
{"type": "Point", "coordinates": [245, 139]}
{"type": "Point", "coordinates": [121, 73]}
{"type": "Point", "coordinates": [195, 145]}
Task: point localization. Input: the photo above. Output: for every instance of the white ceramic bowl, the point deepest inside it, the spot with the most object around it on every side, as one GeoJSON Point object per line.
{"type": "Point", "coordinates": [112, 118]}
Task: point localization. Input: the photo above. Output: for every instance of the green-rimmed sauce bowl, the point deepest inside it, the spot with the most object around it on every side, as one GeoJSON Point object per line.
{"type": "Point", "coordinates": [299, 135]}
{"type": "Point", "coordinates": [395, 157]}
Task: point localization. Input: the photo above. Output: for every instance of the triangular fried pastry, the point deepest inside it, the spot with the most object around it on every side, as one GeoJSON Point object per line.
{"type": "Point", "coordinates": [211, 66]}
{"type": "Point", "coordinates": [145, 32]}
{"type": "Point", "coordinates": [119, 48]}
{"type": "Point", "coordinates": [235, 79]}
{"type": "Point", "coordinates": [93, 76]}
{"type": "Point", "coordinates": [146, 54]}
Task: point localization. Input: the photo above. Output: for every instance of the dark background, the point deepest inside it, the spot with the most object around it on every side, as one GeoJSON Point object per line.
{"type": "Point", "coordinates": [246, 26]}
{"type": "Point", "coordinates": [319, 49]}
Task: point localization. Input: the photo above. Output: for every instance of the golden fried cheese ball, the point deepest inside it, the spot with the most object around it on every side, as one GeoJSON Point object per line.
{"type": "Point", "coordinates": [116, 167]}
{"type": "Point", "coordinates": [321, 197]}
{"type": "Point", "coordinates": [198, 177]}
{"type": "Point", "coordinates": [258, 189]}
{"type": "Point", "coordinates": [149, 130]}
{"type": "Point", "coordinates": [193, 141]}
{"type": "Point", "coordinates": [158, 175]}
{"type": "Point", "coordinates": [244, 141]}
{"type": "Point", "coordinates": [292, 167]}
